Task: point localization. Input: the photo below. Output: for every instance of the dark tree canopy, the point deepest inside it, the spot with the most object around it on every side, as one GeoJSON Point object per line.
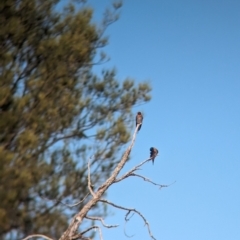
{"type": "Point", "coordinates": [55, 113]}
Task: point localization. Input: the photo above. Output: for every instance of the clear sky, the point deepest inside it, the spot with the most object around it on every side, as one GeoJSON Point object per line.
{"type": "Point", "coordinates": [189, 50]}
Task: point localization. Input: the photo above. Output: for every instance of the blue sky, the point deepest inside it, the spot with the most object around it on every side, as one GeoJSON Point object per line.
{"type": "Point", "coordinates": [189, 51]}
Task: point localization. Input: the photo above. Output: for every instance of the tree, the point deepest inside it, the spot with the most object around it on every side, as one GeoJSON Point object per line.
{"type": "Point", "coordinates": [73, 231]}
{"type": "Point", "coordinates": [55, 113]}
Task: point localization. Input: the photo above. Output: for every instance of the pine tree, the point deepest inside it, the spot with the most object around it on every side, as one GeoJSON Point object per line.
{"type": "Point", "coordinates": [55, 113]}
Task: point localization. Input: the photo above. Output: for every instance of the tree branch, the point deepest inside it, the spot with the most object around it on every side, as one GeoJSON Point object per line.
{"type": "Point", "coordinates": [67, 205]}
{"type": "Point", "coordinates": [146, 179]}
{"type": "Point", "coordinates": [78, 218]}
{"type": "Point", "coordinates": [131, 171]}
{"type": "Point", "coordinates": [37, 235]}
{"type": "Point", "coordinates": [89, 180]}
{"type": "Point", "coordinates": [100, 219]}
{"type": "Point", "coordinates": [89, 229]}
{"type": "Point", "coordinates": [129, 211]}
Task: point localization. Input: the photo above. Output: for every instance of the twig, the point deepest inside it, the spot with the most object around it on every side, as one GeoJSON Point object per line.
{"type": "Point", "coordinates": [148, 180]}
{"type": "Point", "coordinates": [89, 180]}
{"type": "Point", "coordinates": [100, 219]}
{"type": "Point", "coordinates": [129, 211]}
{"type": "Point", "coordinates": [93, 227]}
{"type": "Point", "coordinates": [37, 235]}
{"type": "Point", "coordinates": [129, 236]}
{"type": "Point", "coordinates": [80, 236]}
{"type": "Point", "coordinates": [131, 171]}
{"type": "Point", "coordinates": [67, 205]}
{"type": "Point", "coordinates": [100, 232]}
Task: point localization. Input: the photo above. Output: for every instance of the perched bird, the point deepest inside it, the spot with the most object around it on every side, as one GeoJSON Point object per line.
{"type": "Point", "coordinates": [139, 120]}
{"type": "Point", "coordinates": [153, 153]}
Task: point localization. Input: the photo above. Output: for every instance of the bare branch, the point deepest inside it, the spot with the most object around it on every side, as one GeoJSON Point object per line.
{"type": "Point", "coordinates": [80, 236]}
{"type": "Point", "coordinates": [87, 230]}
{"type": "Point", "coordinates": [71, 232]}
{"type": "Point", "coordinates": [100, 219]}
{"type": "Point", "coordinates": [89, 180]}
{"type": "Point", "coordinates": [78, 218]}
{"type": "Point", "coordinates": [129, 211]}
{"type": "Point", "coordinates": [37, 235]}
{"type": "Point", "coordinates": [150, 181]}
{"type": "Point", "coordinates": [131, 171]}
{"type": "Point", "coordinates": [100, 232]}
{"type": "Point", "coordinates": [129, 236]}
{"type": "Point", "coordinates": [93, 227]}
{"type": "Point", "coordinates": [67, 205]}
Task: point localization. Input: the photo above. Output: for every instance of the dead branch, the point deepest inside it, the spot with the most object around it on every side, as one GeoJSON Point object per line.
{"type": "Point", "coordinates": [96, 196]}
{"type": "Point", "coordinates": [89, 229]}
{"type": "Point", "coordinates": [148, 180]}
{"type": "Point", "coordinates": [80, 237]}
{"type": "Point", "coordinates": [67, 205]}
{"type": "Point", "coordinates": [129, 211]}
{"type": "Point", "coordinates": [129, 236]}
{"type": "Point", "coordinates": [132, 170]}
{"type": "Point", "coordinates": [100, 219]}
{"type": "Point", "coordinates": [89, 180]}
{"type": "Point", "coordinates": [37, 235]}
{"type": "Point", "coordinates": [78, 218]}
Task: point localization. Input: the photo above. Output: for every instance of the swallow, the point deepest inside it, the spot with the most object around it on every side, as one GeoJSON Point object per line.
{"type": "Point", "coordinates": [139, 120]}
{"type": "Point", "coordinates": [153, 153]}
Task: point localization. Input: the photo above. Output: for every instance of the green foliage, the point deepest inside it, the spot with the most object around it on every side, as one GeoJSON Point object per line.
{"type": "Point", "coordinates": [55, 114]}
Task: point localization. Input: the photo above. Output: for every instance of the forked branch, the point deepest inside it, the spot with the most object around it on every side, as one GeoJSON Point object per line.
{"type": "Point", "coordinates": [129, 210]}
{"type": "Point", "coordinates": [101, 220]}
{"type": "Point", "coordinates": [89, 229]}
{"type": "Point", "coordinates": [72, 232]}
{"type": "Point", "coordinates": [131, 171]}
{"type": "Point", "coordinates": [78, 218]}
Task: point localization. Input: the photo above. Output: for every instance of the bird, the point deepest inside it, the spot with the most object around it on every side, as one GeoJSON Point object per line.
{"type": "Point", "coordinates": [139, 120]}
{"type": "Point", "coordinates": [153, 153]}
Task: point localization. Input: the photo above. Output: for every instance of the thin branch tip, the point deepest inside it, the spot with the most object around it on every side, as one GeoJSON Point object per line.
{"type": "Point", "coordinates": [37, 236]}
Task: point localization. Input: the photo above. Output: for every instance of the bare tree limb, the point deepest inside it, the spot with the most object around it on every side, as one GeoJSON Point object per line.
{"type": "Point", "coordinates": [93, 227]}
{"type": "Point", "coordinates": [78, 218]}
{"type": "Point", "coordinates": [100, 219]}
{"type": "Point", "coordinates": [89, 180]}
{"type": "Point", "coordinates": [132, 170]}
{"type": "Point", "coordinates": [129, 211]}
{"type": "Point", "coordinates": [67, 205]}
{"type": "Point", "coordinates": [79, 236]}
{"type": "Point", "coordinates": [146, 179]}
{"type": "Point", "coordinates": [72, 232]}
{"type": "Point", "coordinates": [129, 236]}
{"type": "Point", "coordinates": [37, 235]}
